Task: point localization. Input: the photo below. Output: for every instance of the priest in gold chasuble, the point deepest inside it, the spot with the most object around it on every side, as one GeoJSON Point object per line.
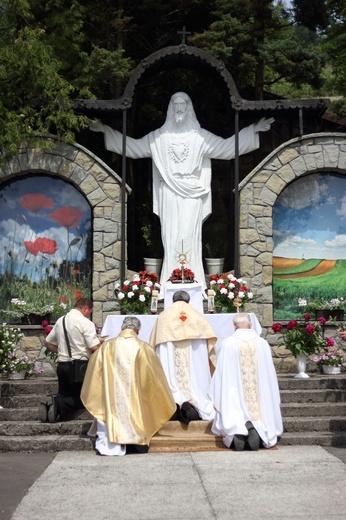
{"type": "Point", "coordinates": [126, 391]}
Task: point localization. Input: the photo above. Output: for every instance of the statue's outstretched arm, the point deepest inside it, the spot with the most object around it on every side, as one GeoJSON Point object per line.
{"type": "Point", "coordinates": [264, 124]}
{"type": "Point", "coordinates": [97, 126]}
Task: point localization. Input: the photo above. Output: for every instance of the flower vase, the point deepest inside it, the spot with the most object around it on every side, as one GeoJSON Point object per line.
{"type": "Point", "coordinates": [301, 367]}
{"type": "Point", "coordinates": [330, 370]}
{"type": "Point", "coordinates": [17, 375]}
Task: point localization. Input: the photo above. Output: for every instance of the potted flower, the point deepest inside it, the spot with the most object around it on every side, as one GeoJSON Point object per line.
{"type": "Point", "coordinates": [302, 338]}
{"type": "Point", "coordinates": [324, 308]}
{"type": "Point", "coordinates": [134, 296]}
{"type": "Point", "coordinates": [32, 313]}
{"type": "Point", "coordinates": [330, 358]}
{"type": "Point", "coordinates": [177, 275]}
{"type": "Point", "coordinates": [9, 340]}
{"type": "Point", "coordinates": [22, 367]}
{"type": "Point", "coordinates": [230, 293]}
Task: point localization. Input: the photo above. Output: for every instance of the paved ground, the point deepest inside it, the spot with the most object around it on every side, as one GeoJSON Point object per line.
{"type": "Point", "coordinates": [307, 482]}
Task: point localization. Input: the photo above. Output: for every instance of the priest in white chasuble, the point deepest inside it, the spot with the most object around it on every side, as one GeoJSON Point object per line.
{"type": "Point", "coordinates": [184, 342]}
{"type": "Point", "coordinates": [126, 391]}
{"type": "Point", "coordinates": [245, 390]}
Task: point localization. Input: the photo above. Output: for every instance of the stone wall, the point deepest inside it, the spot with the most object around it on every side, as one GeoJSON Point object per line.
{"type": "Point", "coordinates": [258, 193]}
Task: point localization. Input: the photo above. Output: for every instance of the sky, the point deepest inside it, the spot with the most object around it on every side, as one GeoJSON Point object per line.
{"type": "Point", "coordinates": [309, 219]}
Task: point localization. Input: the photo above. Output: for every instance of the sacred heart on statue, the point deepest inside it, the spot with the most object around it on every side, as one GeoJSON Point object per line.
{"type": "Point", "coordinates": [178, 151]}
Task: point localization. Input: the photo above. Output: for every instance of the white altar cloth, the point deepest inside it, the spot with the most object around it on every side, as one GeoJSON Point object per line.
{"type": "Point", "coordinates": [222, 325]}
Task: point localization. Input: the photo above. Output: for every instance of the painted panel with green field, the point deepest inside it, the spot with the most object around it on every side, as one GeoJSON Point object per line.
{"type": "Point", "coordinates": [309, 223]}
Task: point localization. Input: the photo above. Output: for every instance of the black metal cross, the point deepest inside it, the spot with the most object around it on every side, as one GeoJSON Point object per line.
{"type": "Point", "coordinates": [183, 33]}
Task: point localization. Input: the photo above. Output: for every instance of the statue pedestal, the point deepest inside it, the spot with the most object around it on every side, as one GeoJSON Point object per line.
{"type": "Point", "coordinates": [194, 289]}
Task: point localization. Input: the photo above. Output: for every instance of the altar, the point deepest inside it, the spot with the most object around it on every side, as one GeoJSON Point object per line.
{"type": "Point", "coordinates": [222, 325]}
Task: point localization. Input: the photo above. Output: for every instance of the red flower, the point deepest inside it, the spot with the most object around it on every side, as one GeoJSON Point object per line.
{"type": "Point", "coordinates": [306, 316]}
{"type": "Point", "coordinates": [292, 324]}
{"type": "Point", "coordinates": [48, 329]}
{"type": "Point", "coordinates": [77, 294]}
{"type": "Point", "coordinates": [44, 323]}
{"type": "Point", "coordinates": [36, 201]}
{"type": "Point", "coordinates": [277, 327]}
{"type": "Point", "coordinates": [41, 245]}
{"type": "Point", "coordinates": [46, 245]}
{"type": "Point", "coordinates": [322, 320]}
{"type": "Point", "coordinates": [310, 329]}
{"type": "Point", "coordinates": [68, 216]}
{"type": "Point", "coordinates": [330, 342]}
{"type": "Point", "coordinates": [31, 247]}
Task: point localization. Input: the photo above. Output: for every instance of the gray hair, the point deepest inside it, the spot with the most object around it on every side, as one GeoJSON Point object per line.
{"type": "Point", "coordinates": [181, 296]}
{"type": "Point", "coordinates": [131, 322]}
{"type": "Point", "coordinates": [240, 319]}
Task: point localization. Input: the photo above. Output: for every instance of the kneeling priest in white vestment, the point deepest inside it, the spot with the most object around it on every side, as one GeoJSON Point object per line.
{"type": "Point", "coordinates": [245, 390]}
{"type": "Point", "coordinates": [126, 391]}
{"type": "Point", "coordinates": [184, 342]}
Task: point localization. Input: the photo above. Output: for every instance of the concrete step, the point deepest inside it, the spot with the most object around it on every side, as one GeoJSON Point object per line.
{"type": "Point", "coordinates": [313, 396]}
{"type": "Point", "coordinates": [314, 424]}
{"type": "Point", "coordinates": [312, 409]}
{"type": "Point", "coordinates": [315, 382]}
{"type": "Point", "coordinates": [322, 438]}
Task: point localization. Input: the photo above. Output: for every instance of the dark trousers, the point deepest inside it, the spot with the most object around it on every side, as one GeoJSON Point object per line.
{"type": "Point", "coordinates": [68, 398]}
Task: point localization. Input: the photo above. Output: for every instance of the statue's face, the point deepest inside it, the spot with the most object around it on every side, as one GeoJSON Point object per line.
{"type": "Point", "coordinates": [180, 109]}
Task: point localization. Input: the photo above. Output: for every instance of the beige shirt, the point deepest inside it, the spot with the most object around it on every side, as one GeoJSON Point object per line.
{"type": "Point", "coordinates": [81, 332]}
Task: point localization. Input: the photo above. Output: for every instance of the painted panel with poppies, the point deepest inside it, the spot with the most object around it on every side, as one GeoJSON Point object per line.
{"type": "Point", "coordinates": [46, 252]}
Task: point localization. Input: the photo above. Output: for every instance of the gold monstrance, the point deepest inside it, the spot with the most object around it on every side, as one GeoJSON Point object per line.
{"type": "Point", "coordinates": [182, 259]}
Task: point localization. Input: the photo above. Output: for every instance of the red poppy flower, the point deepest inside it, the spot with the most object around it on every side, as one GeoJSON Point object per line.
{"type": "Point", "coordinates": [67, 216]}
{"type": "Point", "coordinates": [63, 299]}
{"type": "Point", "coordinates": [46, 245]}
{"type": "Point", "coordinates": [36, 201]}
{"type": "Point", "coordinates": [31, 247]}
{"type": "Point", "coordinates": [77, 294]}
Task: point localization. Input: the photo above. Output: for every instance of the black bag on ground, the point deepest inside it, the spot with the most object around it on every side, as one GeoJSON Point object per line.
{"type": "Point", "coordinates": [77, 367]}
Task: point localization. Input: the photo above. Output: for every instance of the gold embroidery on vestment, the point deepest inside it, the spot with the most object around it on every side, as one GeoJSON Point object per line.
{"type": "Point", "coordinates": [182, 369]}
{"type": "Point", "coordinates": [122, 389]}
{"type": "Point", "coordinates": [248, 366]}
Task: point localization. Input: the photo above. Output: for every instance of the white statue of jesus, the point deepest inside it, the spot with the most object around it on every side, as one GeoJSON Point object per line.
{"type": "Point", "coordinates": [181, 153]}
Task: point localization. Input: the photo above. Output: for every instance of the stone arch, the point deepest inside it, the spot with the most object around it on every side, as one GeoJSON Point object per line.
{"type": "Point", "coordinates": [258, 193]}
{"type": "Point", "coordinates": [101, 187]}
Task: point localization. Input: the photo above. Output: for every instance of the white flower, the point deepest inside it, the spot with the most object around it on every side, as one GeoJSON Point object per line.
{"type": "Point", "coordinates": [135, 287]}
{"type": "Point", "coordinates": [157, 285]}
{"type": "Point", "coordinates": [250, 295]}
{"type": "Point", "coordinates": [231, 286]}
{"type": "Point", "coordinates": [121, 295]}
{"type": "Point", "coordinates": [212, 282]}
{"type": "Point", "coordinates": [220, 281]}
{"type": "Point", "coordinates": [147, 289]}
{"type": "Point", "coordinates": [141, 298]}
{"type": "Point", "coordinates": [127, 282]}
{"type": "Point", "coordinates": [241, 294]}
{"type": "Point", "coordinates": [116, 286]}
{"type": "Point", "coordinates": [223, 290]}
{"type": "Point", "coordinates": [136, 278]}
{"type": "Point", "coordinates": [130, 294]}
{"type": "Point", "coordinates": [302, 302]}
{"type": "Point", "coordinates": [230, 296]}
{"type": "Point", "coordinates": [149, 283]}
